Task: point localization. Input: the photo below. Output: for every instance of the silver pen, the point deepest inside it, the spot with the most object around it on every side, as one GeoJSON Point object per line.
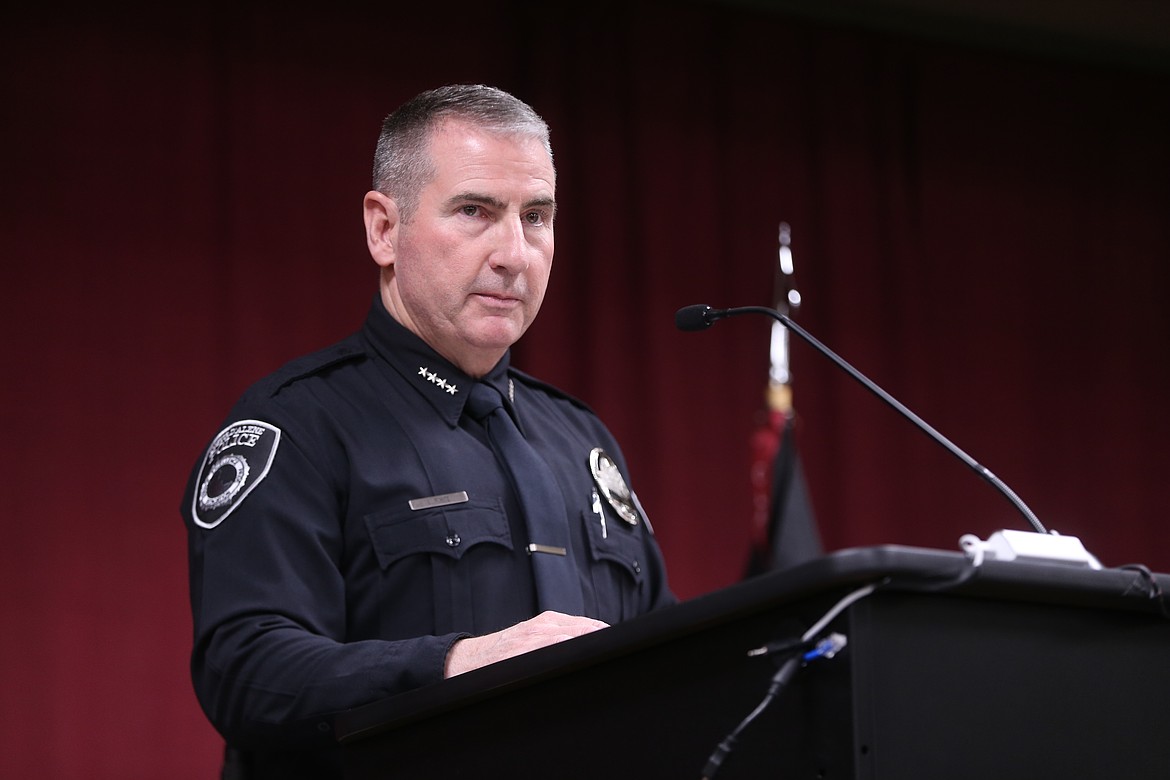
{"type": "Point", "coordinates": [600, 514]}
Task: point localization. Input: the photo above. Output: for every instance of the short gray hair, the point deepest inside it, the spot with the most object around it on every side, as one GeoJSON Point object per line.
{"type": "Point", "coordinates": [402, 162]}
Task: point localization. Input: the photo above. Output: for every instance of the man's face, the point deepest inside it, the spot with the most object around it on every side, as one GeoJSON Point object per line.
{"type": "Point", "coordinates": [472, 263]}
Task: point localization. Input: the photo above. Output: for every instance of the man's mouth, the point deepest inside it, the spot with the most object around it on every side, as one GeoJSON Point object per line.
{"type": "Point", "coordinates": [498, 299]}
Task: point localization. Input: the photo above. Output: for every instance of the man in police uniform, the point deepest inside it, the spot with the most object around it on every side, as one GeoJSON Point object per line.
{"type": "Point", "coordinates": [353, 531]}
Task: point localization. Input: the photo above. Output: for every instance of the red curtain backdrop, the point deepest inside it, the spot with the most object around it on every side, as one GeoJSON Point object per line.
{"type": "Point", "coordinates": [982, 231]}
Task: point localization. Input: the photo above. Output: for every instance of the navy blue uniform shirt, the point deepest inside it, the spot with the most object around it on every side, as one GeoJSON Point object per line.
{"type": "Point", "coordinates": [334, 559]}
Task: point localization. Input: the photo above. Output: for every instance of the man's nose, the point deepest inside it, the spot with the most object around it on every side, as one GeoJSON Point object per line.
{"type": "Point", "coordinates": [512, 251]}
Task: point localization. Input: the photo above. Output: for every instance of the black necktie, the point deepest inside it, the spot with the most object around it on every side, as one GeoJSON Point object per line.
{"type": "Point", "coordinates": [553, 565]}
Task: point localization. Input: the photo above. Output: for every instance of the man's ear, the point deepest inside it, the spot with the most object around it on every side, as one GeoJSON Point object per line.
{"type": "Point", "coordinates": [382, 221]}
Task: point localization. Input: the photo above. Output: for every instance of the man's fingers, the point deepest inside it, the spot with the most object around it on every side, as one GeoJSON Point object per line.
{"type": "Point", "coordinates": [547, 628]}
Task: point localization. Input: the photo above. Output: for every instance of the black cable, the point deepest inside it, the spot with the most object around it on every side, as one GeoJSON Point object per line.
{"type": "Point", "coordinates": [779, 681]}
{"type": "Point", "coordinates": [823, 648]}
{"type": "Point", "coordinates": [1149, 586]}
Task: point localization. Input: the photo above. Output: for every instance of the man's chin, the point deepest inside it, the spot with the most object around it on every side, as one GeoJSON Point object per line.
{"type": "Point", "coordinates": [495, 333]}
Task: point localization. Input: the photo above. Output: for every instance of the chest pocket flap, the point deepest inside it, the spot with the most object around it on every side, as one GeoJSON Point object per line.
{"type": "Point", "coordinates": [449, 530]}
{"type": "Point", "coordinates": [621, 546]}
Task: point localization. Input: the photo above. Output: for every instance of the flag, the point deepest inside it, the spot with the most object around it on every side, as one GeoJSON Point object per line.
{"type": "Point", "coordinates": [784, 528]}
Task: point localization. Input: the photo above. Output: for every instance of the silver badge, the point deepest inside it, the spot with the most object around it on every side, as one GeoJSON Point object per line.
{"type": "Point", "coordinates": [611, 484]}
{"type": "Point", "coordinates": [238, 458]}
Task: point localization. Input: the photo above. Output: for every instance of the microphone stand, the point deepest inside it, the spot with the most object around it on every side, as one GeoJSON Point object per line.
{"type": "Point", "coordinates": [1008, 545]}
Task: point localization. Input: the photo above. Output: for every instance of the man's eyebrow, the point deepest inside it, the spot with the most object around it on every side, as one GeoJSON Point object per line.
{"type": "Point", "coordinates": [541, 203]}
{"type": "Point", "coordinates": [499, 205]}
{"type": "Point", "coordinates": [475, 197]}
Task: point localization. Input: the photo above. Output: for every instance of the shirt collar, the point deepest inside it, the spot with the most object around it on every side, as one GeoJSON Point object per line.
{"type": "Point", "coordinates": [436, 379]}
{"type": "Point", "coordinates": [501, 379]}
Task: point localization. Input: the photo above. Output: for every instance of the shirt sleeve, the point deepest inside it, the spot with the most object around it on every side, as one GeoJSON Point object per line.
{"type": "Point", "coordinates": [271, 664]}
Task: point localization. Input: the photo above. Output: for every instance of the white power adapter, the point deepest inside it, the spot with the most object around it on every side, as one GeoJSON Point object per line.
{"type": "Point", "coordinates": [1029, 547]}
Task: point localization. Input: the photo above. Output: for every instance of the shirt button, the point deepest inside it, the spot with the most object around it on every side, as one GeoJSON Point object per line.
{"type": "Point", "coordinates": [637, 568]}
{"type": "Point", "coordinates": [453, 540]}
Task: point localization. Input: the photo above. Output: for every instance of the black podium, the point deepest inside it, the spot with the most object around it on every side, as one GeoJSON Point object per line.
{"type": "Point", "coordinates": [1007, 670]}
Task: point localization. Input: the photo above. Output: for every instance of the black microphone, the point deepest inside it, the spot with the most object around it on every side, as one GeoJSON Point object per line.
{"type": "Point", "coordinates": [701, 317]}
{"type": "Point", "coordinates": [697, 317]}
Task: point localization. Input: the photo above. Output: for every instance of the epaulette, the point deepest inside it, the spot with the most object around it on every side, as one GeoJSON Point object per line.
{"type": "Point", "coordinates": [531, 381]}
{"type": "Point", "coordinates": [309, 365]}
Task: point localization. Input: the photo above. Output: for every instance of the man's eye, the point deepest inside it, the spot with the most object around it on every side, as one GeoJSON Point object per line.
{"type": "Point", "coordinates": [469, 210]}
{"type": "Point", "coordinates": [534, 218]}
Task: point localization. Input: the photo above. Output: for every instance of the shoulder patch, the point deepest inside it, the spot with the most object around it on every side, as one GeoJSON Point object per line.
{"type": "Point", "coordinates": [237, 460]}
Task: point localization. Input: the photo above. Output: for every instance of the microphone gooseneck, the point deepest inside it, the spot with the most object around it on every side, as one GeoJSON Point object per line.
{"type": "Point", "coordinates": [700, 317]}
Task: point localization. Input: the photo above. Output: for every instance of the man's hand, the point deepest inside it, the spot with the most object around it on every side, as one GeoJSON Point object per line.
{"type": "Point", "coordinates": [545, 629]}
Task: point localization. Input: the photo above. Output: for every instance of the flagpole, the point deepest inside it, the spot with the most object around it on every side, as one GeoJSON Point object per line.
{"type": "Point", "coordinates": [787, 299]}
